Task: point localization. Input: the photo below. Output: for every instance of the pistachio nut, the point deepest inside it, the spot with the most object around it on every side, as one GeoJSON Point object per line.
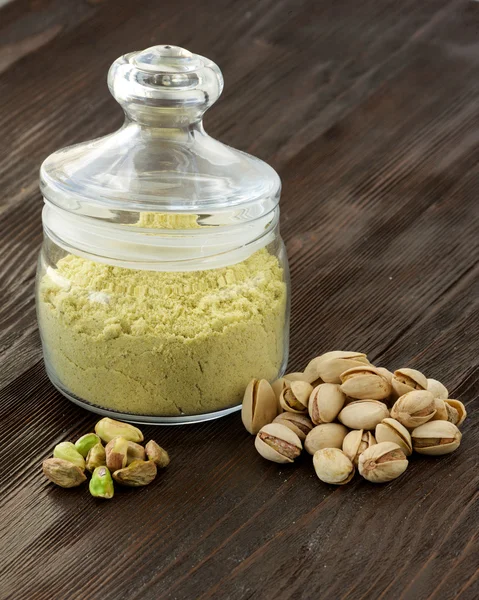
{"type": "Point", "coordinates": [278, 443]}
{"type": "Point", "coordinates": [333, 466]}
{"type": "Point", "coordinates": [414, 408]}
{"type": "Point", "coordinates": [441, 410]}
{"type": "Point", "coordinates": [406, 380]}
{"type": "Point", "coordinates": [363, 414]}
{"type": "Point", "coordinates": [259, 405]}
{"type": "Point", "coordinates": [295, 397]}
{"type": "Point", "coordinates": [356, 442]}
{"type": "Point", "coordinates": [157, 454]}
{"type": "Point", "coordinates": [437, 389]}
{"type": "Point", "coordinates": [86, 443]}
{"type": "Point", "coordinates": [63, 472]}
{"type": "Point", "coordinates": [329, 366]}
{"type": "Point", "coordinates": [386, 373]}
{"type": "Point", "coordinates": [456, 411]}
{"type": "Point", "coordinates": [300, 424]}
{"type": "Point", "coordinates": [278, 386]}
{"type": "Point", "coordinates": [325, 402]}
{"type": "Point", "coordinates": [390, 430]}
{"type": "Point", "coordinates": [101, 483]}
{"type": "Point", "coordinates": [96, 457]}
{"type": "Point", "coordinates": [382, 462]}
{"type": "Point", "coordinates": [67, 451]}
{"type": "Point", "coordinates": [365, 383]}
{"type": "Point", "coordinates": [327, 435]}
{"type": "Point", "coordinates": [116, 453]}
{"type": "Point", "coordinates": [295, 377]}
{"type": "Point", "coordinates": [136, 474]}
{"type": "Point", "coordinates": [436, 438]}
{"type": "Point", "coordinates": [135, 452]}
{"type": "Point", "coordinates": [108, 429]}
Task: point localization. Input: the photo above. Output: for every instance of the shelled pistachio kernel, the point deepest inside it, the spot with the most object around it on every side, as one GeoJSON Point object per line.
{"type": "Point", "coordinates": [333, 466]}
{"type": "Point", "coordinates": [365, 383]}
{"type": "Point", "coordinates": [259, 405]}
{"type": "Point", "coordinates": [157, 454]}
{"type": "Point", "coordinates": [363, 414]}
{"type": "Point", "coordinates": [437, 389]}
{"type": "Point", "coordinates": [300, 424]}
{"type": "Point", "coordinates": [136, 474]}
{"type": "Point", "coordinates": [278, 443]}
{"type": "Point", "coordinates": [295, 397]}
{"type": "Point", "coordinates": [329, 366]}
{"type": "Point", "coordinates": [414, 408]}
{"type": "Point", "coordinates": [135, 452]}
{"type": "Point", "coordinates": [326, 435]}
{"type": "Point", "coordinates": [356, 442]}
{"type": "Point", "coordinates": [101, 483]}
{"type": "Point", "coordinates": [63, 472]}
{"type": "Point", "coordinates": [96, 457]}
{"type": "Point", "coordinates": [86, 442]}
{"type": "Point", "coordinates": [436, 438]}
{"type": "Point", "coordinates": [382, 462]}
{"type": "Point", "coordinates": [390, 430]}
{"type": "Point", "coordinates": [456, 411]}
{"type": "Point", "coordinates": [107, 429]}
{"type": "Point", "coordinates": [67, 451]}
{"type": "Point", "coordinates": [407, 380]}
{"type": "Point", "coordinates": [325, 403]}
{"type": "Point", "coordinates": [116, 453]}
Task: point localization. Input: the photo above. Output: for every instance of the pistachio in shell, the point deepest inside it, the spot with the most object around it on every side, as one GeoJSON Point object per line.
{"type": "Point", "coordinates": [365, 383]}
{"type": "Point", "coordinates": [363, 414]}
{"type": "Point", "coordinates": [407, 380]}
{"type": "Point", "coordinates": [278, 443]}
{"type": "Point", "coordinates": [390, 430]}
{"type": "Point", "coordinates": [414, 408]}
{"type": "Point", "coordinates": [300, 424]}
{"type": "Point", "coordinates": [326, 435]}
{"type": "Point", "coordinates": [333, 466]}
{"type": "Point", "coordinates": [329, 366]}
{"type": "Point", "coordinates": [295, 397]}
{"type": "Point", "coordinates": [356, 442]}
{"type": "Point", "coordinates": [325, 403]}
{"type": "Point", "coordinates": [456, 411]}
{"type": "Point", "coordinates": [437, 389]}
{"type": "Point", "coordinates": [259, 407]}
{"type": "Point", "coordinates": [382, 462]}
{"type": "Point", "coordinates": [436, 438]}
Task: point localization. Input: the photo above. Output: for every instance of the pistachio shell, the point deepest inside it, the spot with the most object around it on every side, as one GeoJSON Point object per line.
{"type": "Point", "coordinates": [460, 408]}
{"type": "Point", "coordinates": [436, 438]}
{"type": "Point", "coordinates": [356, 442]}
{"type": "Point", "coordinates": [365, 383]}
{"type": "Point", "coordinates": [329, 366]}
{"type": "Point", "coordinates": [259, 405]}
{"type": "Point", "coordinates": [300, 424]}
{"type": "Point", "coordinates": [363, 414]}
{"type": "Point", "coordinates": [327, 435]}
{"type": "Point", "coordinates": [382, 462]}
{"type": "Point", "coordinates": [386, 373]}
{"type": "Point", "coordinates": [325, 402]}
{"type": "Point", "coordinates": [333, 466]}
{"type": "Point", "coordinates": [390, 430]}
{"type": "Point", "coordinates": [295, 377]}
{"type": "Point", "coordinates": [407, 380]}
{"type": "Point", "coordinates": [278, 443]}
{"type": "Point", "coordinates": [414, 408]}
{"type": "Point", "coordinates": [295, 397]}
{"type": "Point", "coordinates": [437, 389]}
{"type": "Point", "coordinates": [441, 410]}
{"type": "Point", "coordinates": [278, 386]}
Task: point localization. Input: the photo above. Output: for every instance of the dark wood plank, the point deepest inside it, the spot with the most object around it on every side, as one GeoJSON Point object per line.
{"type": "Point", "coordinates": [369, 111]}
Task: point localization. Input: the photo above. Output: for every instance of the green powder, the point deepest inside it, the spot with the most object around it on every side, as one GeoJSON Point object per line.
{"type": "Point", "coordinates": [162, 343]}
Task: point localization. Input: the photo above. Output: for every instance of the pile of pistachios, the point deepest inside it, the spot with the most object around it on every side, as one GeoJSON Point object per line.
{"type": "Point", "coordinates": [123, 459]}
{"type": "Point", "coordinates": [350, 414]}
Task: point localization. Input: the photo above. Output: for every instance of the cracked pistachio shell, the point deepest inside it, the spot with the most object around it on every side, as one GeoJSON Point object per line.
{"type": "Point", "coordinates": [136, 474]}
{"type": "Point", "coordinates": [437, 389]}
{"type": "Point", "coordinates": [407, 380]}
{"type": "Point", "coordinates": [63, 472]}
{"type": "Point", "coordinates": [456, 411]}
{"type": "Point", "coordinates": [414, 408]}
{"type": "Point", "coordinates": [363, 414]}
{"type": "Point", "coordinates": [327, 435]}
{"type": "Point", "coordinates": [157, 454]}
{"type": "Point", "coordinates": [96, 457]}
{"type": "Point", "coordinates": [390, 430]}
{"type": "Point", "coordinates": [356, 442]}
{"type": "Point", "coordinates": [300, 424]}
{"type": "Point", "coordinates": [116, 453]}
{"type": "Point", "coordinates": [134, 452]}
{"type": "Point", "coordinates": [382, 462]}
{"type": "Point", "coordinates": [329, 366]}
{"type": "Point", "coordinates": [325, 402]}
{"type": "Point", "coordinates": [108, 429]}
{"type": "Point", "coordinates": [86, 443]}
{"type": "Point", "coordinates": [67, 451]}
{"type": "Point", "coordinates": [441, 410]}
{"type": "Point", "coordinates": [295, 377]}
{"type": "Point", "coordinates": [278, 443]}
{"type": "Point", "coordinates": [295, 397]}
{"type": "Point", "coordinates": [101, 484]}
{"type": "Point", "coordinates": [365, 383]}
{"type": "Point", "coordinates": [436, 438]}
{"type": "Point", "coordinates": [333, 466]}
{"type": "Point", "coordinates": [260, 406]}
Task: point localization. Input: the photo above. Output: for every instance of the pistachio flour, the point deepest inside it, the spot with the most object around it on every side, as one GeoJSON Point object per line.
{"type": "Point", "coordinates": [162, 343]}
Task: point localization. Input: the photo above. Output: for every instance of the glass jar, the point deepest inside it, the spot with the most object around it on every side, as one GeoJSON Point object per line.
{"type": "Point", "coordinates": [162, 283]}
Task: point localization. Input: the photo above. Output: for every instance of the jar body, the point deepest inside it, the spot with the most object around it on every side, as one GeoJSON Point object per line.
{"type": "Point", "coordinates": [158, 346]}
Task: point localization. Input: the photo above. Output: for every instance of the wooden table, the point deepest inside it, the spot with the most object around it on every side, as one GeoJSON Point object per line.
{"type": "Point", "coordinates": [369, 111]}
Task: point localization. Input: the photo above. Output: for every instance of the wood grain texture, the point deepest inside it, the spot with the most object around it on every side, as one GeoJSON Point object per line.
{"type": "Point", "coordinates": [369, 111]}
